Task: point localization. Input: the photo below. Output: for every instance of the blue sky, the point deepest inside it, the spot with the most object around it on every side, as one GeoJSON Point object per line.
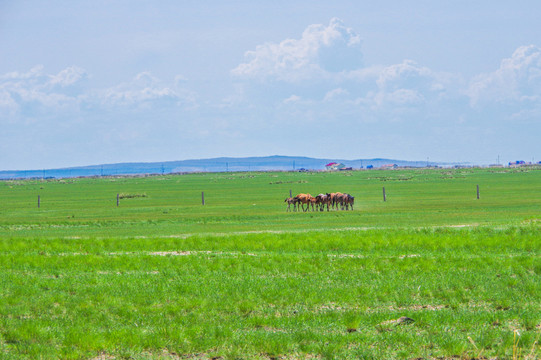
{"type": "Point", "coordinates": [91, 82]}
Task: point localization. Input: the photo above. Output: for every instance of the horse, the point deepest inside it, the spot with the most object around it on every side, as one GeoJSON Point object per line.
{"type": "Point", "coordinates": [334, 199]}
{"type": "Point", "coordinates": [349, 201]}
{"type": "Point", "coordinates": [305, 199]}
{"type": "Point", "coordinates": [322, 200]}
{"type": "Point", "coordinates": [291, 201]}
{"type": "Point", "coordinates": [346, 200]}
{"type": "Point", "coordinates": [313, 202]}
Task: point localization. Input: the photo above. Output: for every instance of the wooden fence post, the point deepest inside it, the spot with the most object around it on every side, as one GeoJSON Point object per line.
{"type": "Point", "coordinates": [117, 199]}
{"type": "Point", "coordinates": [384, 196]}
{"type": "Point", "coordinates": [477, 192]}
{"type": "Point", "coordinates": [39, 200]}
{"type": "Point", "coordinates": [202, 198]}
{"type": "Point", "coordinates": [290, 193]}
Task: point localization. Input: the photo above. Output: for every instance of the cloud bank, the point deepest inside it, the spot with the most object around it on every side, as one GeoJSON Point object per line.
{"type": "Point", "coordinates": [518, 79]}
{"type": "Point", "coordinates": [316, 85]}
{"type": "Point", "coordinates": [320, 50]}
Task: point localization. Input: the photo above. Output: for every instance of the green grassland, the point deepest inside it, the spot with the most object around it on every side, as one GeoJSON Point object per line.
{"type": "Point", "coordinates": [163, 277]}
{"type": "Point", "coordinates": [171, 205]}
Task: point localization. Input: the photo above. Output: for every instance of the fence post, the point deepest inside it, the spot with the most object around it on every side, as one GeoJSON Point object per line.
{"type": "Point", "coordinates": [477, 192]}
{"type": "Point", "coordinates": [290, 193]}
{"type": "Point", "coordinates": [39, 201]}
{"type": "Point", "coordinates": [202, 198]}
{"type": "Point", "coordinates": [117, 199]}
{"type": "Point", "coordinates": [384, 196]}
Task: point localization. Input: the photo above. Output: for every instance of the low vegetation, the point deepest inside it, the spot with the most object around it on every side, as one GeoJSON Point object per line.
{"type": "Point", "coordinates": [432, 273]}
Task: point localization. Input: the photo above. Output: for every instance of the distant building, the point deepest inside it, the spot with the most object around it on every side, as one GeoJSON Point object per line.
{"type": "Point", "coordinates": [370, 167]}
{"type": "Point", "coordinates": [389, 166]}
{"type": "Point", "coordinates": [517, 163]}
{"type": "Point", "coordinates": [334, 166]}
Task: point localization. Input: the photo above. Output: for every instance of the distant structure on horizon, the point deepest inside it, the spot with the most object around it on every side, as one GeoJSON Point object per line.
{"type": "Point", "coordinates": [333, 166]}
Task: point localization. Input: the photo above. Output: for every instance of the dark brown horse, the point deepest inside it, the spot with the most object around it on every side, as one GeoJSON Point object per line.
{"type": "Point", "coordinates": [334, 199]}
{"type": "Point", "coordinates": [291, 201]}
{"type": "Point", "coordinates": [322, 200]}
{"type": "Point", "coordinates": [345, 201]}
{"type": "Point", "coordinates": [348, 201]}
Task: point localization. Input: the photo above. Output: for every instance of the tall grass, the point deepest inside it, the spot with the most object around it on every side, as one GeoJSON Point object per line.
{"type": "Point", "coordinates": [270, 295]}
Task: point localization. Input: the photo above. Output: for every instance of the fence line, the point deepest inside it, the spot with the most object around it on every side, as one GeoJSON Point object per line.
{"type": "Point", "coordinates": [203, 200]}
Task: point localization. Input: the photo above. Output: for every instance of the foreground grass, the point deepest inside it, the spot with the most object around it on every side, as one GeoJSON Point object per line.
{"type": "Point", "coordinates": [327, 294]}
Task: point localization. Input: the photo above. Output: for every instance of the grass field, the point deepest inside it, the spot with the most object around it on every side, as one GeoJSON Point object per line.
{"type": "Point", "coordinates": [162, 276]}
{"type": "Point", "coordinates": [171, 205]}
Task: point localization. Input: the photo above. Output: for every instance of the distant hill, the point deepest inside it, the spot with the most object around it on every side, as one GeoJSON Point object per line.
{"type": "Point", "coordinates": [285, 163]}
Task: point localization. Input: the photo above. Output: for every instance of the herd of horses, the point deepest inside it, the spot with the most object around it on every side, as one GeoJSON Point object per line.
{"type": "Point", "coordinates": [336, 201]}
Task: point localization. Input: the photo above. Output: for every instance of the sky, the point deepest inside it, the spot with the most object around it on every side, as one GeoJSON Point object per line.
{"type": "Point", "coordinates": [103, 81]}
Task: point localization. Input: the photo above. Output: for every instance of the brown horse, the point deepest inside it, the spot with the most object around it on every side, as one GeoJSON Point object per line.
{"type": "Point", "coordinates": [334, 199]}
{"type": "Point", "coordinates": [305, 199]}
{"type": "Point", "coordinates": [345, 201]}
{"type": "Point", "coordinates": [349, 201]}
{"type": "Point", "coordinates": [322, 200]}
{"type": "Point", "coordinates": [313, 202]}
{"type": "Point", "coordinates": [291, 201]}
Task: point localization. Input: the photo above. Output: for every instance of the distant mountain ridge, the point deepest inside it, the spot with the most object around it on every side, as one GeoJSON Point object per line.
{"type": "Point", "coordinates": [220, 164]}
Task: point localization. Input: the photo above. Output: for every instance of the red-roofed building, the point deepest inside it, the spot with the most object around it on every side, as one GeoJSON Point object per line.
{"type": "Point", "coordinates": [334, 166]}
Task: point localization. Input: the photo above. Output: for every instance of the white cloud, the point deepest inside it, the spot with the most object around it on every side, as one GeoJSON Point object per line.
{"type": "Point", "coordinates": [335, 93]}
{"type": "Point", "coordinates": [292, 99]}
{"type": "Point", "coordinates": [320, 50]}
{"type": "Point", "coordinates": [408, 74]}
{"type": "Point", "coordinates": [324, 66]}
{"type": "Point", "coordinates": [410, 85]}
{"type": "Point", "coordinates": [68, 76]}
{"type": "Point", "coordinates": [518, 79]}
{"type": "Point", "coordinates": [143, 90]}
{"type": "Point", "coordinates": [400, 97]}
{"type": "Point", "coordinates": [36, 71]}
{"type": "Point", "coordinates": [37, 92]}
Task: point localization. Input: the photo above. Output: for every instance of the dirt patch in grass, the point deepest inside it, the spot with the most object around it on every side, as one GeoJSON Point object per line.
{"type": "Point", "coordinates": [187, 253]}
{"type": "Point", "coordinates": [345, 307]}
